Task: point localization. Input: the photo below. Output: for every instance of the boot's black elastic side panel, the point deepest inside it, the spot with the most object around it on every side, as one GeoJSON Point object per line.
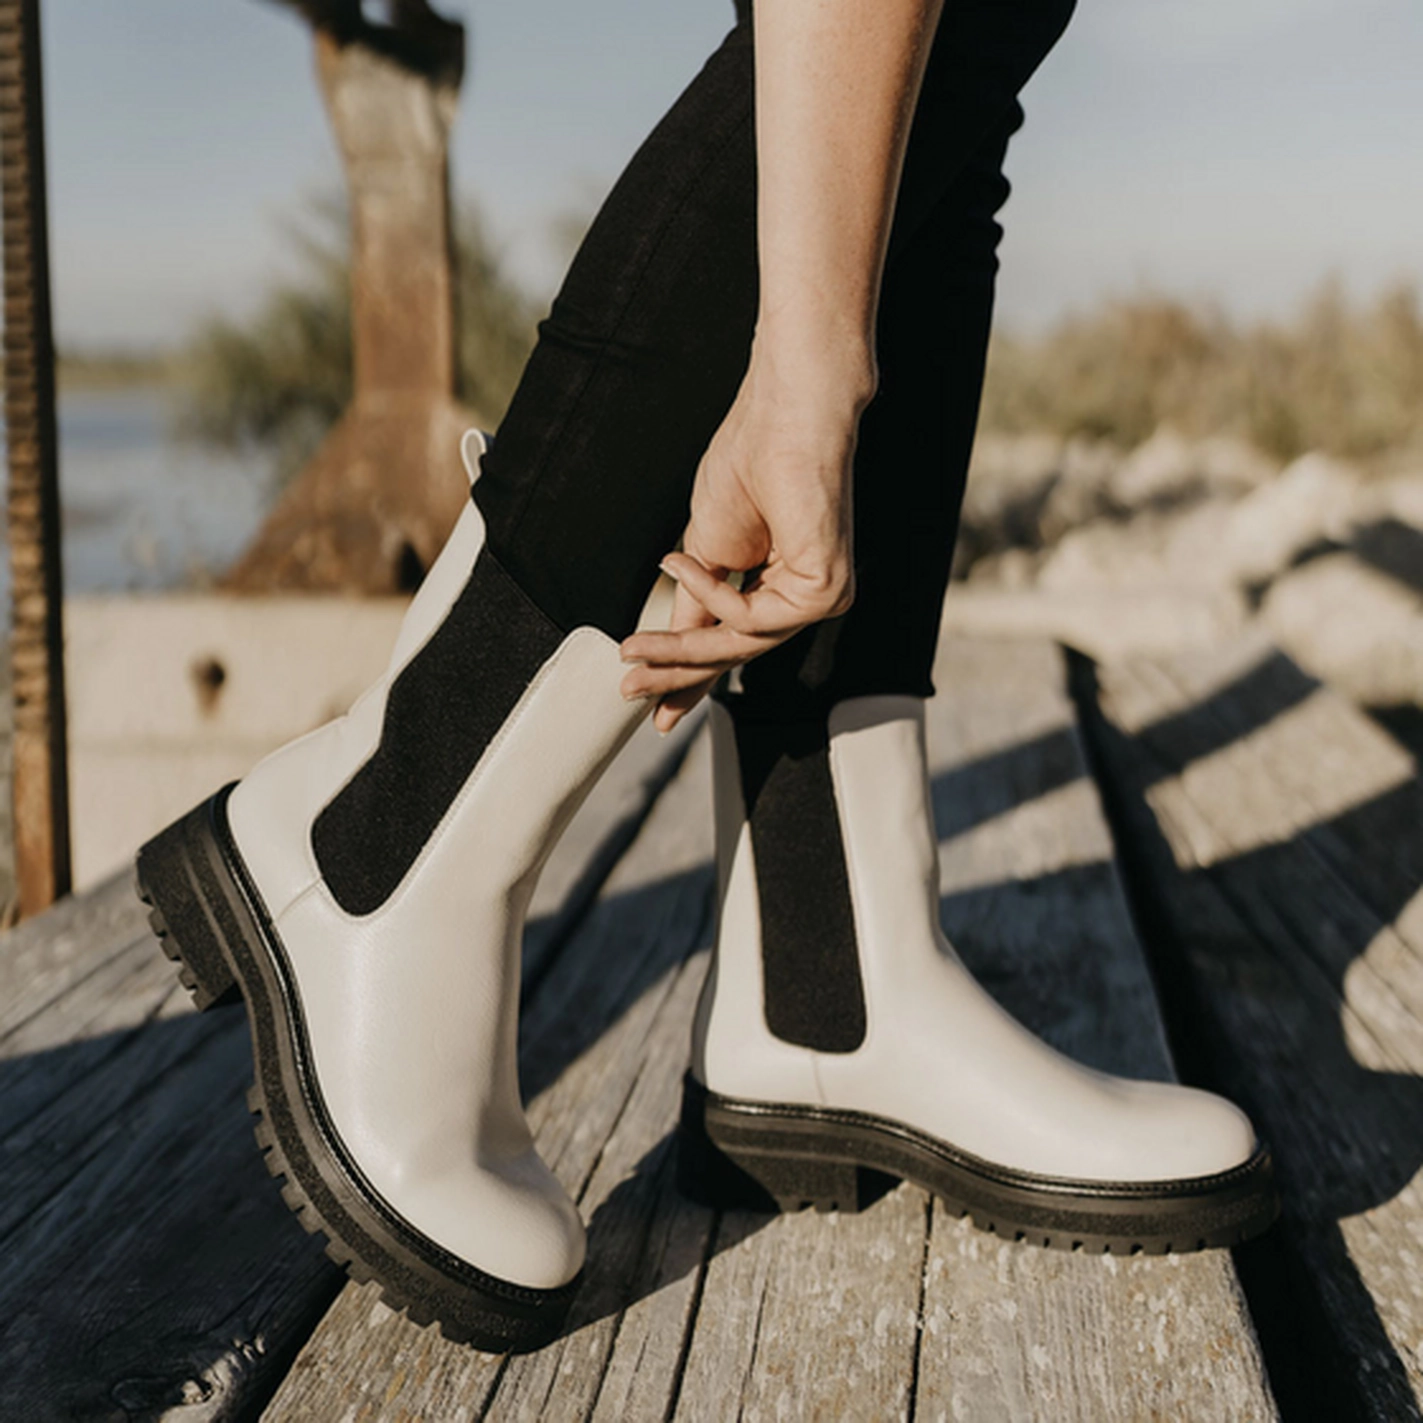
{"type": "Point", "coordinates": [809, 960]}
{"type": "Point", "coordinates": [441, 713]}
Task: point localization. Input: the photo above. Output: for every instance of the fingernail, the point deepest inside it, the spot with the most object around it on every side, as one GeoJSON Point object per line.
{"type": "Point", "coordinates": [668, 570]}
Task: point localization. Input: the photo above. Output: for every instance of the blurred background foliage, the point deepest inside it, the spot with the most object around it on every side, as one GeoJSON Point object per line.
{"type": "Point", "coordinates": [277, 380]}
{"type": "Point", "coordinates": [1340, 377]}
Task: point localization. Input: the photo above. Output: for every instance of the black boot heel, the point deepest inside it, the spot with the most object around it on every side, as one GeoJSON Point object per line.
{"type": "Point", "coordinates": [735, 1167]}
{"type": "Point", "coordinates": [179, 874]}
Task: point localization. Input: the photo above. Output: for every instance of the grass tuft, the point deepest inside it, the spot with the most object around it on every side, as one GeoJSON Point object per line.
{"type": "Point", "coordinates": [279, 379]}
{"type": "Point", "coordinates": [1338, 377]}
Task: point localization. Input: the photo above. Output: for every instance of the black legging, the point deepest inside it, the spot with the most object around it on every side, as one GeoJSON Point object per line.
{"type": "Point", "coordinates": [588, 484]}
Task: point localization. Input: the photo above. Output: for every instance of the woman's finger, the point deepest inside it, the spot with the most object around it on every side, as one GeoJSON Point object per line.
{"type": "Point", "coordinates": [782, 600]}
{"type": "Point", "coordinates": [673, 707]}
{"type": "Point", "coordinates": [687, 612]}
{"type": "Point", "coordinates": [714, 646]}
{"type": "Point", "coordinates": [666, 681]}
{"type": "Point", "coordinates": [711, 592]}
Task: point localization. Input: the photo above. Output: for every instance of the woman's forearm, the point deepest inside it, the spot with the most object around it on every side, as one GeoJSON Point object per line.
{"type": "Point", "coordinates": [836, 82]}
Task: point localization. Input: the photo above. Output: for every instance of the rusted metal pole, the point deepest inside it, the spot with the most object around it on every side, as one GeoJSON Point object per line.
{"type": "Point", "coordinates": [40, 784]}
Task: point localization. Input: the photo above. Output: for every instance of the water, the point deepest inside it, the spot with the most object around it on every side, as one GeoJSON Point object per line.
{"type": "Point", "coordinates": [143, 510]}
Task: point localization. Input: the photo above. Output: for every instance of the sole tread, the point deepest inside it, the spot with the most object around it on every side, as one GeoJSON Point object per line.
{"type": "Point", "coordinates": [767, 1156]}
{"type": "Point", "coordinates": [310, 1219]}
{"type": "Point", "coordinates": [209, 920]}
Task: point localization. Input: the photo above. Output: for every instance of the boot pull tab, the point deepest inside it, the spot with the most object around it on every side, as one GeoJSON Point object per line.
{"type": "Point", "coordinates": [474, 445]}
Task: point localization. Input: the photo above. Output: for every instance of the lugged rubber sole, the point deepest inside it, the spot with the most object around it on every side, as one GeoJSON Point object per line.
{"type": "Point", "coordinates": [210, 920]}
{"type": "Point", "coordinates": [779, 1157]}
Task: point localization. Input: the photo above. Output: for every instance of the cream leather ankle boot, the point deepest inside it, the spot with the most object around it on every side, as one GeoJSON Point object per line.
{"type": "Point", "coordinates": [839, 1032]}
{"type": "Point", "coordinates": [364, 889]}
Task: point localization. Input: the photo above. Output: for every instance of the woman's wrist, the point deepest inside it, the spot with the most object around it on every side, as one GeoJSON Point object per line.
{"type": "Point", "coordinates": [815, 364]}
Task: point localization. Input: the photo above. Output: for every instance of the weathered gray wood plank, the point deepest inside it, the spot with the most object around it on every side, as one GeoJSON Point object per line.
{"type": "Point", "coordinates": [813, 1316]}
{"type": "Point", "coordinates": [1279, 833]}
{"type": "Point", "coordinates": [150, 1262]}
{"type": "Point", "coordinates": [47, 1054]}
{"type": "Point", "coordinates": [44, 956]}
{"type": "Point", "coordinates": [163, 1270]}
{"type": "Point", "coordinates": [808, 1318]}
{"type": "Point", "coordinates": [643, 1370]}
{"type": "Point", "coordinates": [636, 1226]}
{"type": "Point", "coordinates": [1013, 1335]}
{"type": "Point", "coordinates": [600, 834]}
{"type": "Point", "coordinates": [1032, 901]}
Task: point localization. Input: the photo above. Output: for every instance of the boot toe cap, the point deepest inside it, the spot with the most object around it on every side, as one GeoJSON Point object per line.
{"type": "Point", "coordinates": [1186, 1133]}
{"type": "Point", "coordinates": [513, 1221]}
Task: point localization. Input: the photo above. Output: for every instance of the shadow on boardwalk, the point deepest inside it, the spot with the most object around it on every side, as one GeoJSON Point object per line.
{"type": "Point", "coordinates": [139, 1223]}
{"type": "Point", "coordinates": [1252, 954]}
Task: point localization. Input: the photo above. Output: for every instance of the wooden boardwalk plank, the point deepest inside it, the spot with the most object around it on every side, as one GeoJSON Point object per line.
{"type": "Point", "coordinates": [1033, 903]}
{"type": "Point", "coordinates": [641, 1243]}
{"type": "Point", "coordinates": [601, 833]}
{"type": "Point", "coordinates": [810, 1316]}
{"type": "Point", "coordinates": [150, 1262]}
{"type": "Point", "coordinates": [49, 954]}
{"type": "Point", "coordinates": [1278, 833]}
{"type": "Point", "coordinates": [164, 1270]}
{"type": "Point", "coordinates": [884, 1314]}
{"type": "Point", "coordinates": [47, 1054]}
{"type": "Point", "coordinates": [132, 1105]}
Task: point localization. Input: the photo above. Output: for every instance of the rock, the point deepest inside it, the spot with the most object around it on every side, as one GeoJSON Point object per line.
{"type": "Point", "coordinates": [1082, 491]}
{"type": "Point", "coordinates": [1103, 623]}
{"type": "Point", "coordinates": [1025, 491]}
{"type": "Point", "coordinates": [1006, 466]}
{"type": "Point", "coordinates": [1163, 469]}
{"type": "Point", "coordinates": [1169, 469]}
{"type": "Point", "coordinates": [1013, 568]}
{"type": "Point", "coordinates": [1351, 625]}
{"type": "Point", "coordinates": [1153, 551]}
{"type": "Point", "coordinates": [1232, 465]}
{"type": "Point", "coordinates": [1221, 542]}
{"type": "Point", "coordinates": [1009, 478]}
{"type": "Point", "coordinates": [1401, 498]}
{"type": "Point", "coordinates": [1393, 548]}
{"type": "Point", "coordinates": [1316, 498]}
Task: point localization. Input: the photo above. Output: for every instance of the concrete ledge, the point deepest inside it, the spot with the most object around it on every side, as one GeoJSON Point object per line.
{"type": "Point", "coordinates": [170, 696]}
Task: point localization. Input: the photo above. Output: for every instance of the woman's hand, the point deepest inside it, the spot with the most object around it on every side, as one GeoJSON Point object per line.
{"type": "Point", "coordinates": [836, 82]}
{"type": "Point", "coordinates": [772, 501]}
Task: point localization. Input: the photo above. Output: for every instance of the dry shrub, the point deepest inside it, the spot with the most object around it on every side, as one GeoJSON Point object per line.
{"type": "Point", "coordinates": [279, 379]}
{"type": "Point", "coordinates": [1338, 377]}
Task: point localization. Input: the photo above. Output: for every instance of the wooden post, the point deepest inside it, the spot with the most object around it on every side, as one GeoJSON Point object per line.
{"type": "Point", "coordinates": [40, 784]}
{"type": "Point", "coordinates": [392, 124]}
{"type": "Point", "coordinates": [373, 507]}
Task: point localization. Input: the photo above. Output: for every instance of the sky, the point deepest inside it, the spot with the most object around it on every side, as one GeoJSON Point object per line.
{"type": "Point", "coordinates": [1234, 151]}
